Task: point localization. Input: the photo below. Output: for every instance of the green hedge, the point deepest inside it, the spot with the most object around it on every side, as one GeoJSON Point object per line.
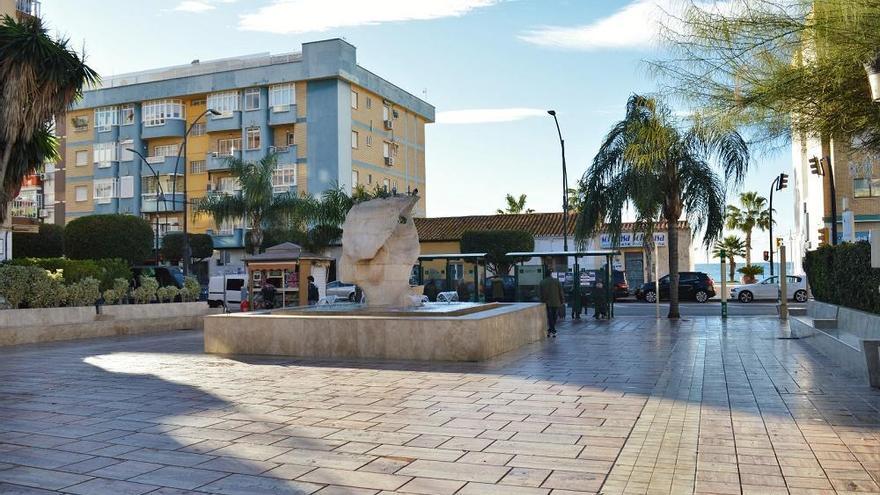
{"type": "Point", "coordinates": [48, 242]}
{"type": "Point", "coordinates": [842, 275]}
{"type": "Point", "coordinates": [73, 271]}
{"type": "Point", "coordinates": [496, 244]}
{"type": "Point", "coordinates": [108, 236]}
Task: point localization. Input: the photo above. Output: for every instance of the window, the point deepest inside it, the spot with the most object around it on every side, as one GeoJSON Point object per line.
{"type": "Point", "coordinates": [354, 139]}
{"type": "Point", "coordinates": [281, 97]}
{"type": "Point", "coordinates": [104, 153]}
{"type": "Point", "coordinates": [386, 185]}
{"type": "Point", "coordinates": [283, 177]}
{"type": "Point", "coordinates": [252, 99]}
{"type": "Point", "coordinates": [80, 123]}
{"type": "Point", "coordinates": [228, 185]}
{"type": "Point", "coordinates": [199, 129]}
{"type": "Point", "coordinates": [124, 154]}
{"type": "Point", "coordinates": [370, 179]}
{"type": "Point", "coordinates": [126, 187]}
{"type": "Point", "coordinates": [225, 103]}
{"type": "Point", "coordinates": [198, 167]}
{"type": "Point", "coordinates": [165, 150]}
{"type": "Point", "coordinates": [386, 149]}
{"type": "Point", "coordinates": [386, 112]}
{"type": "Point", "coordinates": [369, 140]}
{"type": "Point", "coordinates": [227, 147]}
{"type": "Point", "coordinates": [156, 112]}
{"type": "Point", "coordinates": [253, 138]}
{"type": "Point", "coordinates": [866, 188]}
{"type": "Point", "coordinates": [369, 102]}
{"type": "Point", "coordinates": [126, 115]}
{"type": "Point", "coordinates": [169, 184]}
{"type": "Point", "coordinates": [104, 190]}
{"type": "Point", "coordinates": [82, 158]}
{"type": "Point", "coordinates": [105, 117]}
{"type": "Point", "coordinates": [354, 179]}
{"type": "Point", "coordinates": [354, 100]}
{"type": "Point", "coordinates": [291, 139]}
{"type": "Point", "coordinates": [200, 102]}
{"type": "Point", "coordinates": [82, 193]}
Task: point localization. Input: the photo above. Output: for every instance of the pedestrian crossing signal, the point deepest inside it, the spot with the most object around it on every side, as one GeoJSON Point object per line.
{"type": "Point", "coordinates": [823, 236]}
{"type": "Point", "coordinates": [766, 255]}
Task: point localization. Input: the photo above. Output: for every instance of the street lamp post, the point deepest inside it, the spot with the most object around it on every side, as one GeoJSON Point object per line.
{"type": "Point", "coordinates": [564, 184]}
{"type": "Point", "coordinates": [779, 183]}
{"type": "Point", "coordinates": [182, 151]}
{"type": "Point", "coordinates": [161, 195]}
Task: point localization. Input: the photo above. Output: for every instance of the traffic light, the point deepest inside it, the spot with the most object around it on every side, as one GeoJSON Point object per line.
{"type": "Point", "coordinates": [766, 255]}
{"type": "Point", "coordinates": [782, 182]}
{"type": "Point", "coordinates": [778, 242]}
{"type": "Point", "coordinates": [816, 166]}
{"type": "Point", "coordinates": [823, 236]}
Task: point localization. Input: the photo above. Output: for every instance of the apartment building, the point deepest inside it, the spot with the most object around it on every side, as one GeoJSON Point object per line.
{"type": "Point", "coordinates": [857, 184]}
{"type": "Point", "coordinates": [329, 121]}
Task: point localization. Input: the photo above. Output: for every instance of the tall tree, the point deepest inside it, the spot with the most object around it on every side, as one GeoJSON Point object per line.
{"type": "Point", "coordinates": [752, 214]}
{"type": "Point", "coordinates": [257, 203]}
{"type": "Point", "coordinates": [732, 246]}
{"type": "Point", "coordinates": [40, 77]}
{"type": "Point", "coordinates": [515, 205]}
{"type": "Point", "coordinates": [777, 67]}
{"type": "Point", "coordinates": [663, 170]}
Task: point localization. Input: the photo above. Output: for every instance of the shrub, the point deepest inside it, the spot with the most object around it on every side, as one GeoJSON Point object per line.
{"type": "Point", "coordinates": [496, 244]}
{"type": "Point", "coordinates": [48, 242]}
{"type": "Point", "coordinates": [106, 271]}
{"type": "Point", "coordinates": [842, 275]}
{"type": "Point", "coordinates": [16, 281]}
{"type": "Point", "coordinates": [147, 290]}
{"type": "Point", "coordinates": [751, 270]}
{"type": "Point", "coordinates": [108, 236]}
{"type": "Point", "coordinates": [191, 289]}
{"type": "Point", "coordinates": [118, 292]}
{"type": "Point", "coordinates": [201, 246]}
{"type": "Point", "coordinates": [83, 293]}
{"type": "Point", "coordinates": [47, 292]}
{"type": "Point", "coordinates": [167, 293]}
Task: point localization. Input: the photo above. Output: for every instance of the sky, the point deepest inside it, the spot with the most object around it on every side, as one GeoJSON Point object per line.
{"type": "Point", "coordinates": [490, 67]}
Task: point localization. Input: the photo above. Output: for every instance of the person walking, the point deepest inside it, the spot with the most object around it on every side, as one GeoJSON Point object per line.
{"type": "Point", "coordinates": [314, 295]}
{"type": "Point", "coordinates": [600, 301]}
{"type": "Point", "coordinates": [552, 296]}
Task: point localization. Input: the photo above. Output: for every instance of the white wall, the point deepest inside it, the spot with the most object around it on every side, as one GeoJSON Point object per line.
{"type": "Point", "coordinates": [809, 200]}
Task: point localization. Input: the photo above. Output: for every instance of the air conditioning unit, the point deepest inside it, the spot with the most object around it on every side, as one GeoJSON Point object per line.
{"type": "Point", "coordinates": [389, 124]}
{"type": "Point", "coordinates": [389, 160]}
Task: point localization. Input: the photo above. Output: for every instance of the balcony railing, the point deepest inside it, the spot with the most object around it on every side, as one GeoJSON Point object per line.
{"type": "Point", "coordinates": [30, 7]}
{"type": "Point", "coordinates": [25, 208]}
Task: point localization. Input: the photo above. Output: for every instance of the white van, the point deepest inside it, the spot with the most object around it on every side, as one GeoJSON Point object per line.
{"type": "Point", "coordinates": [234, 282]}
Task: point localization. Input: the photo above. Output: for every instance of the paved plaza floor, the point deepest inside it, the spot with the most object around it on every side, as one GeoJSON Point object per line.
{"type": "Point", "coordinates": [633, 406]}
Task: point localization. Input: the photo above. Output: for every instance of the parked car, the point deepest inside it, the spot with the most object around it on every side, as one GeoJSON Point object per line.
{"type": "Point", "coordinates": [341, 290]}
{"type": "Point", "coordinates": [229, 296]}
{"type": "Point", "coordinates": [697, 286]}
{"type": "Point", "coordinates": [508, 282]}
{"type": "Point", "coordinates": [165, 275]}
{"type": "Point", "coordinates": [769, 289]}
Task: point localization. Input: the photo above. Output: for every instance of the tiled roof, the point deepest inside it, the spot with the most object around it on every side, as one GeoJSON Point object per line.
{"type": "Point", "coordinates": [537, 224]}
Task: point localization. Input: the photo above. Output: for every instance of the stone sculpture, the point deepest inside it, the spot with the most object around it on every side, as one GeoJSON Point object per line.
{"type": "Point", "coordinates": [380, 245]}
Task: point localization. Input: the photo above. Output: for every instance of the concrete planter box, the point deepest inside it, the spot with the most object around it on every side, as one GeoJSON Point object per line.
{"type": "Point", "coordinates": [28, 326]}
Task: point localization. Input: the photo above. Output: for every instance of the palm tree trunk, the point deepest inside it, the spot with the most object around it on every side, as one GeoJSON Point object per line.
{"type": "Point", "coordinates": [672, 243]}
{"type": "Point", "coordinates": [732, 269]}
{"type": "Point", "coordinates": [749, 247]}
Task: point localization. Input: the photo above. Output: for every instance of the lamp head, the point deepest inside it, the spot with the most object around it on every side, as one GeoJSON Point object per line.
{"type": "Point", "coordinates": [552, 112]}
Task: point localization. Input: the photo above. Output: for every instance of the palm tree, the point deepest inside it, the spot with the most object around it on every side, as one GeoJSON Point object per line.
{"type": "Point", "coordinates": [40, 78]}
{"type": "Point", "coordinates": [515, 205]}
{"type": "Point", "coordinates": [732, 246]}
{"type": "Point", "coordinates": [575, 201]}
{"type": "Point", "coordinates": [664, 171]}
{"type": "Point", "coordinates": [754, 213]}
{"type": "Point", "coordinates": [257, 202]}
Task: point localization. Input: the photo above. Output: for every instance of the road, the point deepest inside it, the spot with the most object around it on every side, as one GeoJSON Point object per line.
{"type": "Point", "coordinates": [689, 308]}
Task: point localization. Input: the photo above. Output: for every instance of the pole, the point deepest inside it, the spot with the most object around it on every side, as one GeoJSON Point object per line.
{"type": "Point", "coordinates": [783, 285]}
{"type": "Point", "coordinates": [657, 280]}
{"type": "Point", "coordinates": [772, 188]}
{"type": "Point", "coordinates": [723, 255]}
{"type": "Point", "coordinates": [833, 203]}
{"type": "Point", "coordinates": [564, 186]}
{"type": "Point", "coordinates": [182, 150]}
{"type": "Point", "coordinates": [161, 193]}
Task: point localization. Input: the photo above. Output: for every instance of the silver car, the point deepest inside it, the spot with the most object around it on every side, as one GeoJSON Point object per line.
{"type": "Point", "coordinates": [341, 290]}
{"type": "Point", "coordinates": [769, 289]}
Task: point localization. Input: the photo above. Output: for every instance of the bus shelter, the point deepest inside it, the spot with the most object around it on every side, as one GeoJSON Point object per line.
{"type": "Point", "coordinates": [451, 280]}
{"type": "Point", "coordinates": [608, 254]}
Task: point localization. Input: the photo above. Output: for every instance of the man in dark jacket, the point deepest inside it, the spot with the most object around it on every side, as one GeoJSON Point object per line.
{"type": "Point", "coordinates": [551, 295]}
{"type": "Point", "coordinates": [314, 295]}
{"type": "Point", "coordinates": [600, 300]}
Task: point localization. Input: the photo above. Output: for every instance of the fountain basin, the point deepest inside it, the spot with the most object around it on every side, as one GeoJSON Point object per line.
{"type": "Point", "coordinates": [460, 332]}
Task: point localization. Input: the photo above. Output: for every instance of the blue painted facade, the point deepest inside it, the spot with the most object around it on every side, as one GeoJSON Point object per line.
{"type": "Point", "coordinates": [328, 68]}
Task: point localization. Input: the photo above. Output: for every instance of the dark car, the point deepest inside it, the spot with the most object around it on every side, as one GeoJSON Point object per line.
{"type": "Point", "coordinates": [165, 275]}
{"type": "Point", "coordinates": [697, 286]}
{"type": "Point", "coordinates": [508, 282]}
{"type": "Point", "coordinates": [619, 284]}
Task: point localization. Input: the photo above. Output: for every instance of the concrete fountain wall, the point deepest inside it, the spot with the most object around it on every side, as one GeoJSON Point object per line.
{"type": "Point", "coordinates": [471, 337]}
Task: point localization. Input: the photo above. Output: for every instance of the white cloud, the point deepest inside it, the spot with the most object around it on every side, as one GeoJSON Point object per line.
{"type": "Point", "coordinates": [487, 115]}
{"type": "Point", "coordinates": [193, 6]}
{"type": "Point", "coordinates": [635, 26]}
{"type": "Point", "coordinates": [303, 16]}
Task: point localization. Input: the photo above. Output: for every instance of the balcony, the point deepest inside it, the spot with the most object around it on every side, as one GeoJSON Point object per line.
{"type": "Point", "coordinates": [171, 128]}
{"type": "Point", "coordinates": [153, 203]}
{"type": "Point", "coordinates": [25, 208]}
{"type": "Point", "coordinates": [230, 122]}
{"type": "Point", "coordinates": [218, 162]}
{"type": "Point", "coordinates": [282, 115]}
{"type": "Point", "coordinates": [29, 7]}
{"type": "Point", "coordinates": [163, 165]}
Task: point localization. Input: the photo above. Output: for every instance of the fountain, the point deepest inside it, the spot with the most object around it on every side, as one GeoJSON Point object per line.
{"type": "Point", "coordinates": [380, 246]}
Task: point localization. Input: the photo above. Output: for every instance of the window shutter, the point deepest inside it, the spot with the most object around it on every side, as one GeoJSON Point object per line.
{"type": "Point", "coordinates": [126, 187]}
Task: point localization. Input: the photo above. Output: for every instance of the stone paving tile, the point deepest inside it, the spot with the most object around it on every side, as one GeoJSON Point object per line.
{"type": "Point", "coordinates": [99, 486]}
{"type": "Point", "coordinates": [40, 478]}
{"type": "Point", "coordinates": [631, 406]}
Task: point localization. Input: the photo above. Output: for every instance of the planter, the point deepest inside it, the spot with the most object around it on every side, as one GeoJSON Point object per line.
{"type": "Point", "coordinates": [748, 279]}
{"type": "Point", "coordinates": [28, 326]}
